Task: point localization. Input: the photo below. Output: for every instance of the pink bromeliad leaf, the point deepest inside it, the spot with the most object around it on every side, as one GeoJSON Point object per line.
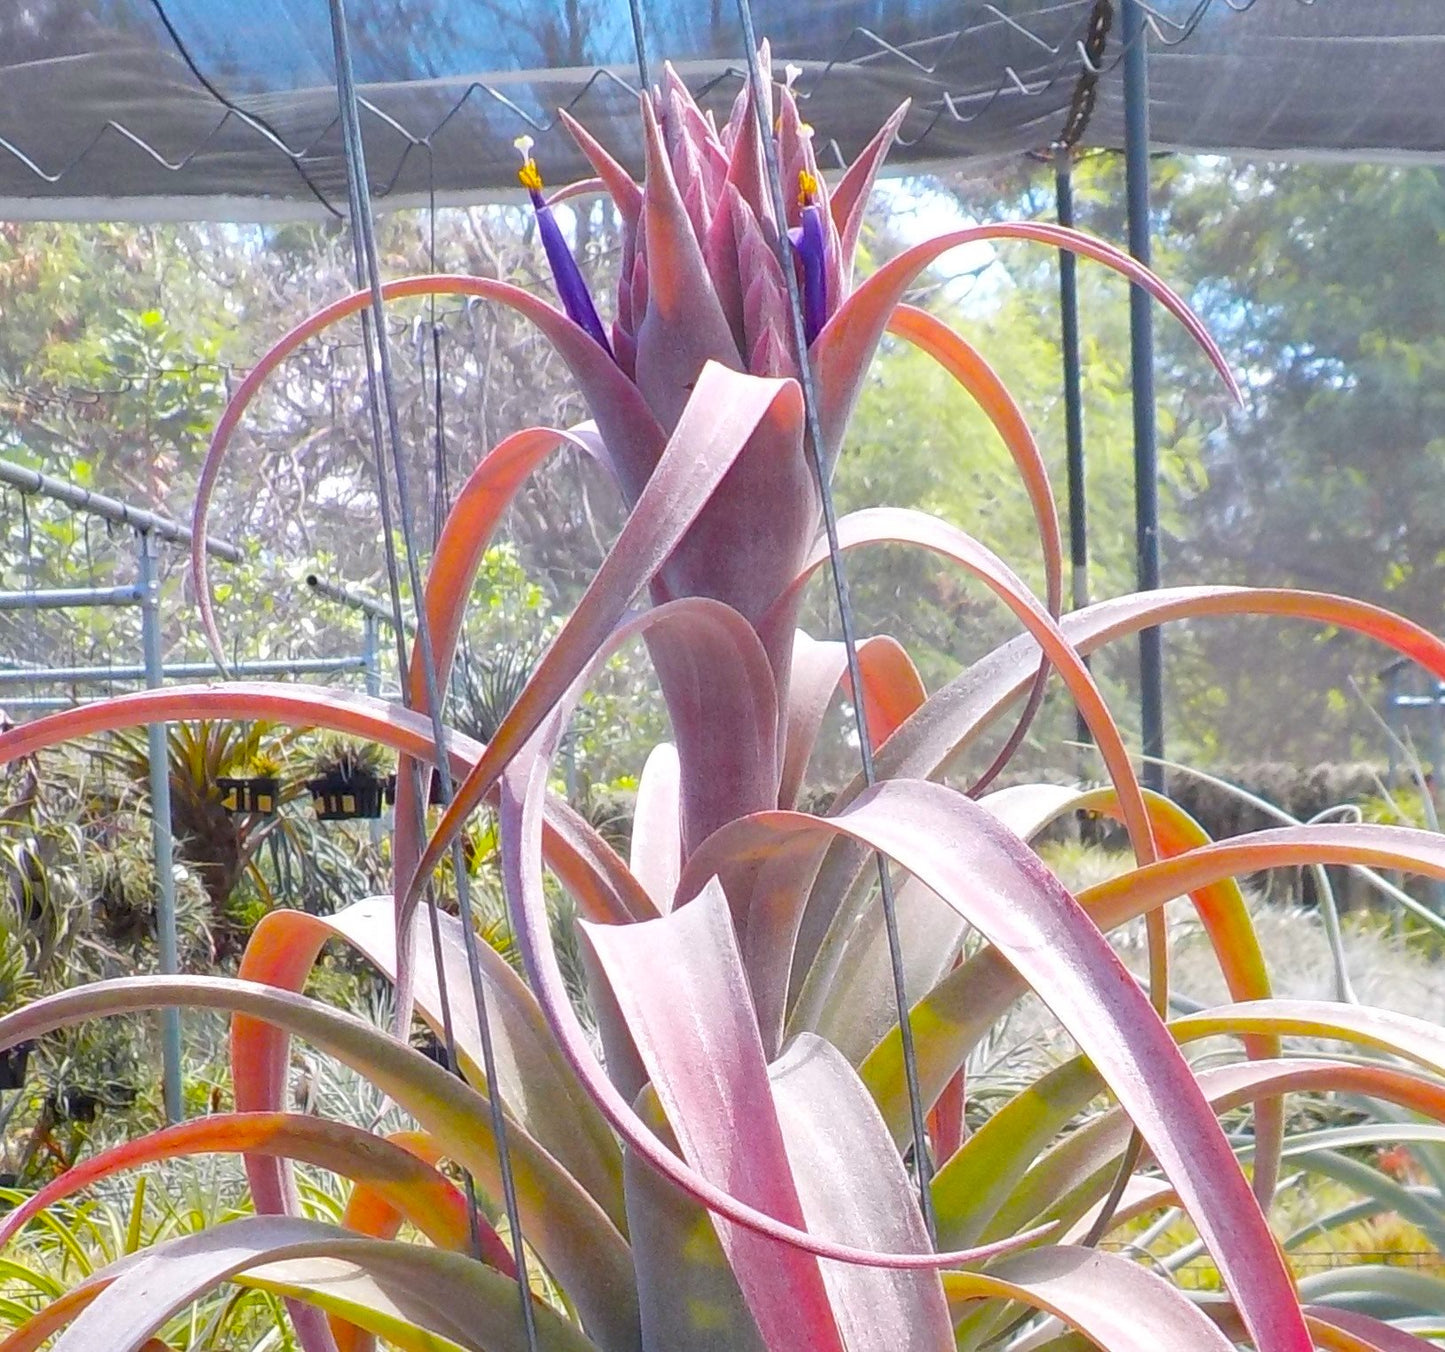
{"type": "Point", "coordinates": [833, 1133]}
{"type": "Point", "coordinates": [956, 1013]}
{"type": "Point", "coordinates": [893, 689]}
{"type": "Point", "coordinates": [1225, 917]}
{"type": "Point", "coordinates": [632, 452]}
{"type": "Point", "coordinates": [1334, 1330]}
{"type": "Point", "coordinates": [523, 784]}
{"type": "Point", "coordinates": [999, 885]}
{"type": "Point", "coordinates": [954, 716]}
{"type": "Point", "coordinates": [844, 349]}
{"type": "Point", "coordinates": [768, 941]}
{"type": "Point", "coordinates": [687, 1292]}
{"type": "Point", "coordinates": [699, 1041]}
{"type": "Point", "coordinates": [850, 194]}
{"type": "Point", "coordinates": [931, 933]}
{"type": "Point", "coordinates": [655, 857]}
{"type": "Point", "coordinates": [955, 713]}
{"type": "Point", "coordinates": [579, 1245]}
{"type": "Point", "coordinates": [536, 1087]}
{"type": "Point", "coordinates": [369, 1213]}
{"type": "Point", "coordinates": [121, 1307]}
{"type": "Point", "coordinates": [724, 414]}
{"type": "Point", "coordinates": [967, 366]}
{"type": "Point", "coordinates": [479, 507]}
{"type": "Point", "coordinates": [1115, 1302]}
{"type": "Point", "coordinates": [1351, 1331]}
{"type": "Point", "coordinates": [1070, 1177]}
{"type": "Point", "coordinates": [416, 1190]}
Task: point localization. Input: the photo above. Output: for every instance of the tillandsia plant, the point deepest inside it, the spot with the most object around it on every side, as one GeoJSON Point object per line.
{"type": "Point", "coordinates": [732, 1171]}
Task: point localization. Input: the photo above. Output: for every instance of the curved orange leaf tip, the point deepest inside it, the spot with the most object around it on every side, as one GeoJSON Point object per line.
{"type": "Point", "coordinates": [369, 1213]}
{"type": "Point", "coordinates": [466, 534]}
{"type": "Point", "coordinates": [533, 1081]}
{"type": "Point", "coordinates": [893, 689]}
{"type": "Point", "coordinates": [400, 1177]}
{"type": "Point", "coordinates": [893, 525]}
{"type": "Point", "coordinates": [967, 366]}
{"type": "Point", "coordinates": [604, 385]}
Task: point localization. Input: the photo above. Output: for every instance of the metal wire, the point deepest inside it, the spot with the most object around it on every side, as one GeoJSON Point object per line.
{"type": "Point", "coordinates": [364, 233]}
{"type": "Point", "coordinates": [813, 438]}
{"type": "Point", "coordinates": [356, 191]}
{"type": "Point", "coordinates": [639, 43]}
{"type": "Point", "coordinates": [861, 48]}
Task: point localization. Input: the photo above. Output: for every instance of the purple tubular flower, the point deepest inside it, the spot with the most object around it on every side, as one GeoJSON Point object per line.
{"type": "Point", "coordinates": [566, 275]}
{"type": "Point", "coordinates": [809, 242]}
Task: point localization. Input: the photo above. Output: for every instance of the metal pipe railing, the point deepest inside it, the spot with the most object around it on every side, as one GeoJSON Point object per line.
{"type": "Point", "coordinates": [110, 509]}
{"type": "Point", "coordinates": [353, 600]}
{"type": "Point", "coordinates": [178, 671]}
{"type": "Point", "coordinates": [64, 598]}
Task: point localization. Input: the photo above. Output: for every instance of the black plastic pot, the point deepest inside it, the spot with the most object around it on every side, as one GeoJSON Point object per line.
{"type": "Point", "coordinates": [260, 796]}
{"type": "Point", "coordinates": [429, 1045]}
{"type": "Point", "coordinates": [74, 1104]}
{"type": "Point", "coordinates": [351, 798]}
{"type": "Point", "coordinates": [433, 792]}
{"type": "Point", "coordinates": [12, 1065]}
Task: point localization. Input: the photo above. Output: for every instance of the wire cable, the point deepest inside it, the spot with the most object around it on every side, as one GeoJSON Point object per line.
{"type": "Point", "coordinates": [364, 234]}
{"type": "Point", "coordinates": [813, 439]}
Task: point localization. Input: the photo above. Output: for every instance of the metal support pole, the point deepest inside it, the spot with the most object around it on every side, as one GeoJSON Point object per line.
{"type": "Point", "coordinates": [1141, 347]}
{"type": "Point", "coordinates": [162, 844]}
{"type": "Point", "coordinates": [1392, 694]}
{"type": "Point", "coordinates": [371, 653]}
{"type": "Point", "coordinates": [354, 600]}
{"type": "Point", "coordinates": [1073, 401]}
{"type": "Point", "coordinates": [371, 665]}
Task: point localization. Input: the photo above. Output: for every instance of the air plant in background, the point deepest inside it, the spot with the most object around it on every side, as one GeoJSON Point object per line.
{"type": "Point", "coordinates": [731, 1173]}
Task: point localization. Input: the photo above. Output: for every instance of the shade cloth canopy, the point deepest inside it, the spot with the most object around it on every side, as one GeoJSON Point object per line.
{"type": "Point", "coordinates": [148, 109]}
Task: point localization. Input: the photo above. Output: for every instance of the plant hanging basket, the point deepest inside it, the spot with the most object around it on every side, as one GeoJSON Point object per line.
{"type": "Point", "coordinates": [259, 796]}
{"type": "Point", "coordinates": [356, 797]}
{"type": "Point", "coordinates": [13, 1064]}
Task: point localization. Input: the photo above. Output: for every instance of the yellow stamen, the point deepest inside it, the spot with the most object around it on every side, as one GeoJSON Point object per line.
{"type": "Point", "coordinates": [529, 175]}
{"type": "Point", "coordinates": [807, 188]}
